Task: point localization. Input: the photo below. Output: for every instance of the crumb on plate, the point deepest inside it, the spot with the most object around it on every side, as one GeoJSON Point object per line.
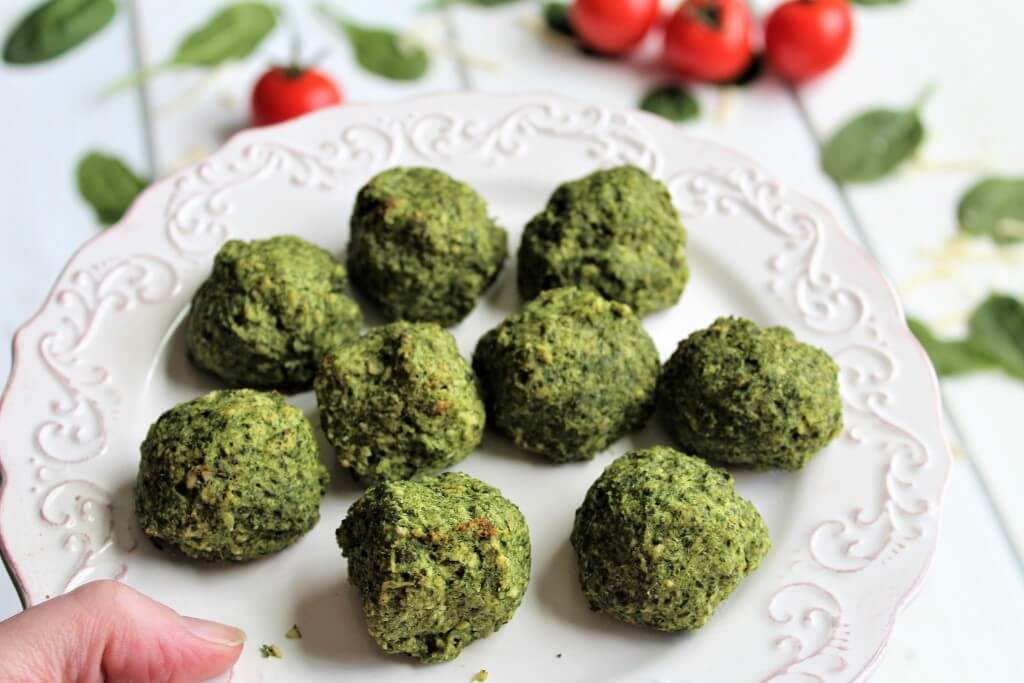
{"type": "Point", "coordinates": [271, 651]}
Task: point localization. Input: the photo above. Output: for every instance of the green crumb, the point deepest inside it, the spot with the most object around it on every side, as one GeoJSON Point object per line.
{"type": "Point", "coordinates": [440, 561]}
{"type": "Point", "coordinates": [232, 475]}
{"type": "Point", "coordinates": [740, 394]}
{"type": "Point", "coordinates": [481, 676]}
{"type": "Point", "coordinates": [568, 375]}
{"type": "Point", "coordinates": [662, 538]}
{"type": "Point", "coordinates": [399, 402]}
{"type": "Point", "coordinates": [274, 651]}
{"type": "Point", "coordinates": [269, 311]}
{"type": "Point", "coordinates": [293, 633]}
{"type": "Point", "coordinates": [423, 247]}
{"type": "Point", "coordinates": [614, 231]}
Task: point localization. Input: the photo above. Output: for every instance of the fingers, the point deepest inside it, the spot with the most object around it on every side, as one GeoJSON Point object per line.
{"type": "Point", "coordinates": [108, 632]}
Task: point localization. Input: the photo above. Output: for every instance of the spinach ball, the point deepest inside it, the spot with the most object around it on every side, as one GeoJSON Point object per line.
{"type": "Point", "coordinates": [423, 247]}
{"type": "Point", "coordinates": [662, 538]}
{"type": "Point", "coordinates": [232, 475]}
{"type": "Point", "coordinates": [440, 561]}
{"type": "Point", "coordinates": [740, 394]}
{"type": "Point", "coordinates": [269, 311]}
{"type": "Point", "coordinates": [399, 402]}
{"type": "Point", "coordinates": [568, 375]}
{"type": "Point", "coordinates": [615, 232]}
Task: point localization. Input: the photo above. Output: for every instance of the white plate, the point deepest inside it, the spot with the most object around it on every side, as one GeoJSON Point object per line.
{"type": "Point", "coordinates": [853, 533]}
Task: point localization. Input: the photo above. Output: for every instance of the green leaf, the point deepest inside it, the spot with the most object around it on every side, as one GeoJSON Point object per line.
{"type": "Point", "coordinates": [672, 102]}
{"type": "Point", "coordinates": [233, 33]}
{"type": "Point", "coordinates": [556, 18]}
{"type": "Point", "coordinates": [994, 208]}
{"type": "Point", "coordinates": [382, 51]}
{"type": "Point", "coordinates": [996, 332]}
{"type": "Point", "coordinates": [949, 357]}
{"type": "Point", "coordinates": [108, 185]}
{"type": "Point", "coordinates": [872, 145]}
{"type": "Point", "coordinates": [55, 27]}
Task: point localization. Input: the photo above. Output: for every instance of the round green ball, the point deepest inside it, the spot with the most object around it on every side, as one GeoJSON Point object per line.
{"type": "Point", "coordinates": [662, 539]}
{"type": "Point", "coordinates": [740, 394]}
{"type": "Point", "coordinates": [232, 475]}
{"type": "Point", "coordinates": [615, 232]}
{"type": "Point", "coordinates": [269, 311]}
{"type": "Point", "coordinates": [440, 562]}
{"type": "Point", "coordinates": [399, 402]}
{"type": "Point", "coordinates": [423, 247]}
{"type": "Point", "coordinates": [568, 375]}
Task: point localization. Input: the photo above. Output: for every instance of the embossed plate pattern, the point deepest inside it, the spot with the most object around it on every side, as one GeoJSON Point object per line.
{"type": "Point", "coordinates": [853, 533]}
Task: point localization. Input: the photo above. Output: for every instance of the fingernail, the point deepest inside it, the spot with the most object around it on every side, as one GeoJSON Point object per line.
{"type": "Point", "coordinates": [215, 632]}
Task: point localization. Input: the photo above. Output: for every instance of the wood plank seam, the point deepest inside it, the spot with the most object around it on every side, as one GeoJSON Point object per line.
{"type": "Point", "coordinates": [138, 60]}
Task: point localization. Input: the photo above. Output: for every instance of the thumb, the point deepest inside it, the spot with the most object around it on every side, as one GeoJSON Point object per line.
{"type": "Point", "coordinates": [108, 632]}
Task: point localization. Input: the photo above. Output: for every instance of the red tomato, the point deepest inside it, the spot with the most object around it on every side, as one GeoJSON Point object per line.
{"type": "Point", "coordinates": [613, 26]}
{"type": "Point", "coordinates": [710, 40]}
{"type": "Point", "coordinates": [285, 92]}
{"type": "Point", "coordinates": [804, 38]}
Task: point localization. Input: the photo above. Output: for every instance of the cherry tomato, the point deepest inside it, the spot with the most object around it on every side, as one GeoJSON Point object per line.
{"type": "Point", "coordinates": [804, 38]}
{"type": "Point", "coordinates": [613, 26]}
{"type": "Point", "coordinates": [285, 92]}
{"type": "Point", "coordinates": [710, 40]}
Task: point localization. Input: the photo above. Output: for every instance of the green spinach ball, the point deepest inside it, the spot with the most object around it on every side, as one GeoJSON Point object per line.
{"type": "Point", "coordinates": [269, 311]}
{"type": "Point", "coordinates": [440, 562]}
{"type": "Point", "coordinates": [423, 247]}
{"type": "Point", "coordinates": [615, 232]}
{"type": "Point", "coordinates": [740, 394]}
{"type": "Point", "coordinates": [662, 538]}
{"type": "Point", "coordinates": [232, 475]}
{"type": "Point", "coordinates": [399, 402]}
{"type": "Point", "coordinates": [568, 375]}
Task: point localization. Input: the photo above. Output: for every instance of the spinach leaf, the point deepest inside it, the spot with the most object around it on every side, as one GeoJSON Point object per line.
{"type": "Point", "coordinates": [232, 33]}
{"type": "Point", "coordinates": [996, 332]}
{"type": "Point", "coordinates": [381, 51]}
{"type": "Point", "coordinates": [55, 27]}
{"type": "Point", "coordinates": [994, 207]}
{"type": "Point", "coordinates": [556, 18]}
{"type": "Point", "coordinates": [672, 102]}
{"type": "Point", "coordinates": [108, 185]}
{"type": "Point", "coordinates": [872, 145]}
{"type": "Point", "coordinates": [950, 357]}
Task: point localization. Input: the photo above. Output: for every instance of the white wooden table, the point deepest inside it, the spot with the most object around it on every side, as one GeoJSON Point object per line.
{"type": "Point", "coordinates": [964, 624]}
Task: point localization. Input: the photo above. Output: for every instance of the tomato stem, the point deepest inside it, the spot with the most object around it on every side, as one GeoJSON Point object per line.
{"type": "Point", "coordinates": [708, 13]}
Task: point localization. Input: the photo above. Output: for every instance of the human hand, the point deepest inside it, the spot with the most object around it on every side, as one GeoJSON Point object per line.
{"type": "Point", "coordinates": [106, 632]}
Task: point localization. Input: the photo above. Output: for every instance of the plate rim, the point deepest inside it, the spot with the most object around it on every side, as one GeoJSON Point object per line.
{"type": "Point", "coordinates": [834, 230]}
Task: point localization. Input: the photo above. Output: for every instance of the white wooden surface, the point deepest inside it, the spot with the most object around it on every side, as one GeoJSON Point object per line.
{"type": "Point", "coordinates": [964, 624]}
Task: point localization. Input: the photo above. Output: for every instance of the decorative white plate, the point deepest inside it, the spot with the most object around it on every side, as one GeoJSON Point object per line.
{"type": "Point", "coordinates": [853, 533]}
